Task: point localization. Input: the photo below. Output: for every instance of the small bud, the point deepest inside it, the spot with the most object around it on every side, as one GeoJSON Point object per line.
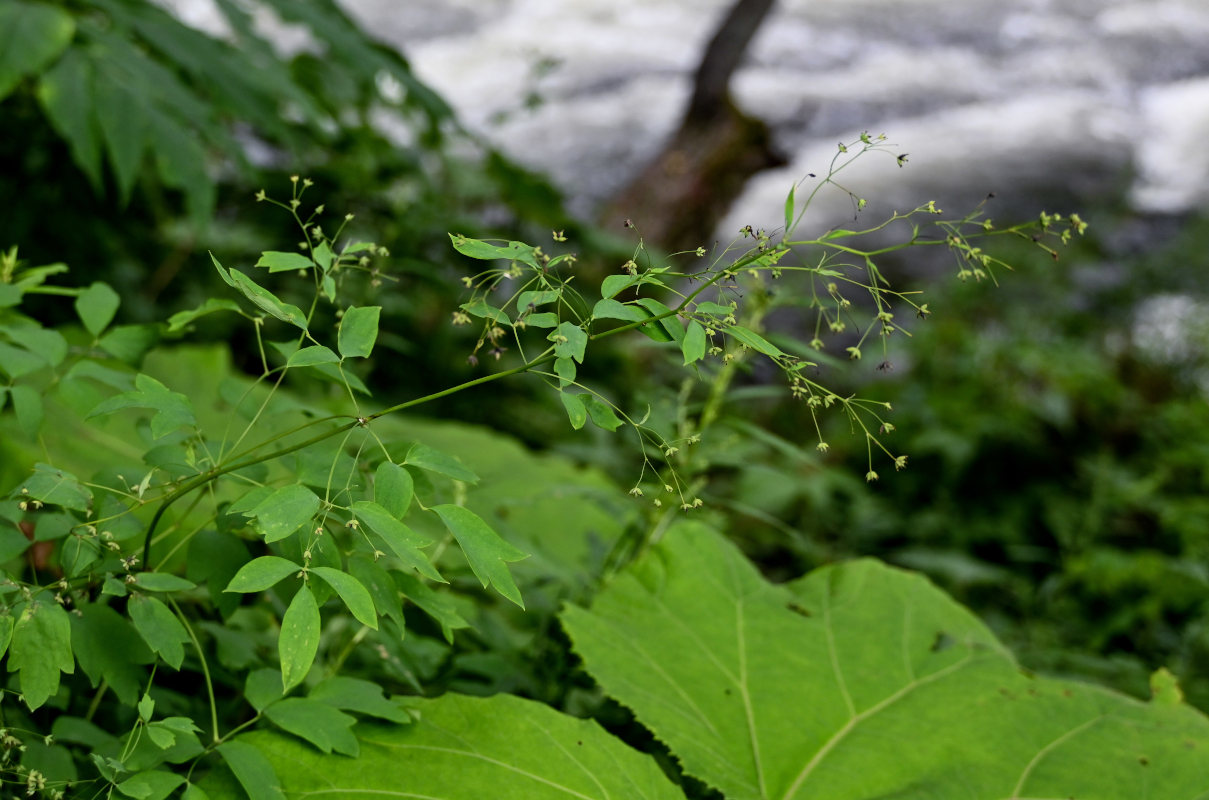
{"type": "Point", "coordinates": [870, 476]}
{"type": "Point", "coordinates": [822, 447]}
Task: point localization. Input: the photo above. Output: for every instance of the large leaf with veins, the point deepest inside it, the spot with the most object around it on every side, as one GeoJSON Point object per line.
{"type": "Point", "coordinates": [861, 681]}
{"type": "Point", "coordinates": [465, 748]}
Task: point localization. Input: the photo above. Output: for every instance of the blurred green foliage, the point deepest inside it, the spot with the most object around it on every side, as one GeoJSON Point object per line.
{"type": "Point", "coordinates": [1058, 435]}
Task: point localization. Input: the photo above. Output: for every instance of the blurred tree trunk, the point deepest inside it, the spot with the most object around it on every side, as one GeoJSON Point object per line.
{"type": "Point", "coordinates": [678, 199]}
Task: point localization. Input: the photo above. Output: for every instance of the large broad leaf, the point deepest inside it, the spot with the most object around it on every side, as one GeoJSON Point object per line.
{"type": "Point", "coordinates": [861, 681]}
{"type": "Point", "coordinates": [464, 748]}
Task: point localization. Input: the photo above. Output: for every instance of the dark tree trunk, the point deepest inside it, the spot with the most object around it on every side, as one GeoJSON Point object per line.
{"type": "Point", "coordinates": [678, 199]}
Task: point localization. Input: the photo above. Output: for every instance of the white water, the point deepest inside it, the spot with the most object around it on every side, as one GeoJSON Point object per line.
{"type": "Point", "coordinates": [1067, 98]}
{"type": "Point", "coordinates": [1074, 97]}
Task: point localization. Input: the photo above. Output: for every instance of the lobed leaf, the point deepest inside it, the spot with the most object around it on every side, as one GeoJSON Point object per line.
{"type": "Point", "coordinates": [860, 681]}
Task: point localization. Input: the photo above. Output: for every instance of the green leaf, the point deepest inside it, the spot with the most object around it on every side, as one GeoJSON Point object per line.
{"type": "Point", "coordinates": [299, 639]}
{"type": "Point", "coordinates": [564, 368]}
{"type": "Point", "coordinates": [17, 361]}
{"type": "Point", "coordinates": [32, 36]}
{"type": "Point", "coordinates": [400, 539]}
{"type": "Point", "coordinates": [280, 262]}
{"type": "Point", "coordinates": [6, 632]}
{"type": "Point", "coordinates": [108, 648]}
{"type": "Point", "coordinates": [352, 592]}
{"type": "Point", "coordinates": [535, 298]}
{"type": "Point", "coordinates": [180, 160]}
{"type": "Point", "coordinates": [122, 115]}
{"type": "Point", "coordinates": [318, 723]}
{"type": "Point", "coordinates": [693, 344]}
{"type": "Point", "coordinates": [56, 487]}
{"type": "Point", "coordinates": [668, 329]}
{"type": "Point", "coordinates": [576, 411]}
{"type": "Point", "coordinates": [27, 405]}
{"type": "Point", "coordinates": [466, 748]}
{"type": "Point", "coordinates": [146, 707]}
{"type": "Point", "coordinates": [194, 792]}
{"type": "Point", "coordinates": [546, 319]}
{"type": "Point", "coordinates": [613, 284]}
{"type": "Point", "coordinates": [261, 297]}
{"type": "Point", "coordinates": [393, 488]}
{"type": "Point", "coordinates": [96, 306]}
{"type": "Point", "coordinates": [10, 295]}
{"type": "Point", "coordinates": [601, 413]}
{"type": "Point", "coordinates": [253, 771]}
{"type": "Point", "coordinates": [437, 605]}
{"type": "Point", "coordinates": [485, 251]}
{"type": "Point", "coordinates": [354, 694]}
{"type": "Point", "coordinates": [487, 553]}
{"type": "Point", "coordinates": [180, 319]}
{"type": "Point", "coordinates": [154, 784]}
{"type": "Point", "coordinates": [480, 308]}
{"type": "Point", "coordinates": [718, 310]}
{"type": "Point", "coordinates": [65, 93]}
{"type": "Point", "coordinates": [432, 460]}
{"type": "Point", "coordinates": [309, 356]}
{"type": "Point", "coordinates": [159, 627]}
{"type": "Point", "coordinates": [129, 343]}
{"type": "Point", "coordinates": [359, 331]}
{"type": "Point", "coordinates": [172, 409]}
{"type": "Point", "coordinates": [838, 233]}
{"type": "Point", "coordinates": [754, 340]}
{"type": "Point", "coordinates": [285, 511]}
{"type": "Point", "coordinates": [789, 209]}
{"type": "Point", "coordinates": [40, 650]}
{"type": "Point", "coordinates": [162, 582]}
{"type": "Point", "coordinates": [262, 573]}
{"type": "Point", "coordinates": [859, 681]}
{"type": "Point", "coordinates": [570, 340]}
{"type": "Point", "coordinates": [262, 687]}
{"type": "Point", "coordinates": [611, 309]}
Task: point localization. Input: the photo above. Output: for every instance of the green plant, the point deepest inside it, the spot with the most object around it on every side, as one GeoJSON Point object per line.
{"type": "Point", "coordinates": [270, 553]}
